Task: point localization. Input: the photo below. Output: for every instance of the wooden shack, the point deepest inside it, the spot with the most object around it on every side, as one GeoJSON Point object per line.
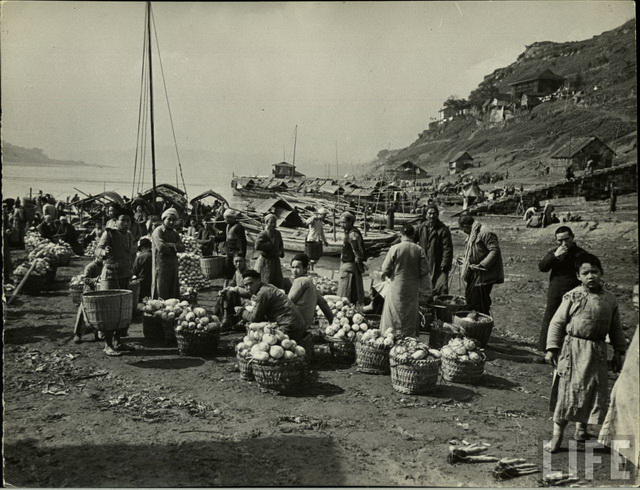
{"type": "Point", "coordinates": [580, 150]}
{"type": "Point", "coordinates": [539, 84]}
{"type": "Point", "coordinates": [460, 163]}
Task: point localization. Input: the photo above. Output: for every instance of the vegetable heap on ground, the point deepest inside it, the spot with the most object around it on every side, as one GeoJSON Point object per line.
{"type": "Point", "coordinates": [347, 321]}
{"type": "Point", "coordinates": [408, 350]}
{"type": "Point", "coordinates": [465, 350]}
{"type": "Point", "coordinates": [474, 316]}
{"type": "Point", "coordinates": [167, 310]}
{"type": "Point", "coordinates": [55, 253]}
{"type": "Point", "coordinates": [375, 338]}
{"type": "Point", "coordinates": [196, 321]}
{"type": "Point", "coordinates": [42, 265]}
{"type": "Point", "coordinates": [32, 239]}
{"type": "Point", "coordinates": [265, 342]}
{"type": "Point", "coordinates": [190, 274]}
{"type": "Point", "coordinates": [325, 285]}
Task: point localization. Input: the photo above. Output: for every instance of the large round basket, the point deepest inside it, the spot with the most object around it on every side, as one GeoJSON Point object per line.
{"type": "Point", "coordinates": [479, 330]}
{"type": "Point", "coordinates": [64, 260]}
{"type": "Point", "coordinates": [441, 333]}
{"type": "Point", "coordinates": [372, 360]}
{"type": "Point", "coordinates": [445, 311]}
{"type": "Point", "coordinates": [134, 286]}
{"type": "Point", "coordinates": [246, 369]}
{"type": "Point", "coordinates": [169, 332]}
{"type": "Point", "coordinates": [197, 345]}
{"type": "Point", "coordinates": [213, 267]}
{"type": "Point", "coordinates": [33, 285]}
{"type": "Point", "coordinates": [75, 293]}
{"type": "Point", "coordinates": [415, 377]}
{"type": "Point", "coordinates": [280, 376]}
{"type": "Point", "coordinates": [457, 371]}
{"type": "Point", "coordinates": [50, 276]}
{"type": "Point", "coordinates": [107, 310]}
{"type": "Point", "coordinates": [342, 350]}
{"type": "Point", "coordinates": [152, 328]}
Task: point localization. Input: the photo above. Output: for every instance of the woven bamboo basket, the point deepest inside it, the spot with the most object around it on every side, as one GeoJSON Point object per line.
{"type": "Point", "coordinates": [75, 293]}
{"type": "Point", "coordinates": [342, 350]}
{"type": "Point", "coordinates": [107, 310]}
{"type": "Point", "coordinates": [152, 328]}
{"type": "Point", "coordinates": [213, 267]}
{"type": "Point", "coordinates": [440, 335]}
{"type": "Point", "coordinates": [246, 369]}
{"type": "Point", "coordinates": [415, 377]}
{"type": "Point", "coordinates": [50, 275]}
{"type": "Point", "coordinates": [33, 285]}
{"type": "Point", "coordinates": [480, 331]}
{"type": "Point", "coordinates": [169, 331]}
{"type": "Point", "coordinates": [372, 360]}
{"type": "Point", "coordinates": [457, 371]}
{"type": "Point", "coordinates": [197, 345]}
{"type": "Point", "coordinates": [444, 311]}
{"type": "Point", "coordinates": [280, 376]}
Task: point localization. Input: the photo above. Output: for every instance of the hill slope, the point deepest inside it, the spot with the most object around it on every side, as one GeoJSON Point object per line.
{"type": "Point", "coordinates": [29, 156]}
{"type": "Point", "coordinates": [604, 67]}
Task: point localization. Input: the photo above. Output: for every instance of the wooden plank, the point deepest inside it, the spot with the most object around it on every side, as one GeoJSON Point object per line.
{"type": "Point", "coordinates": [568, 201]}
{"type": "Point", "coordinates": [24, 280]}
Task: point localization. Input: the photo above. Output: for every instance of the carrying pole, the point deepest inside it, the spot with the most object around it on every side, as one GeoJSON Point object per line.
{"type": "Point", "coordinates": [24, 280]}
{"type": "Point", "coordinates": [153, 141]}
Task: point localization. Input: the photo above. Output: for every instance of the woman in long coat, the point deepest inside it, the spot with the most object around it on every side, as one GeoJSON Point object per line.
{"type": "Point", "coordinates": [269, 244]}
{"type": "Point", "coordinates": [407, 267]}
{"type": "Point", "coordinates": [166, 244]}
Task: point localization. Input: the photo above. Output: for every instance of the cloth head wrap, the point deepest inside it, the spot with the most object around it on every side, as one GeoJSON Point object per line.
{"type": "Point", "coordinates": [269, 216]}
{"type": "Point", "coordinates": [348, 215]}
{"type": "Point", "coordinates": [170, 212]}
{"type": "Point", "coordinates": [432, 206]}
{"type": "Point", "coordinates": [64, 218]}
{"type": "Point", "coordinates": [323, 211]}
{"type": "Point", "coordinates": [228, 213]}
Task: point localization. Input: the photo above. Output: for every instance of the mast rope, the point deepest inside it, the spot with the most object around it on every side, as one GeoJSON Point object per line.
{"type": "Point", "coordinates": [135, 163]}
{"type": "Point", "coordinates": [166, 94]}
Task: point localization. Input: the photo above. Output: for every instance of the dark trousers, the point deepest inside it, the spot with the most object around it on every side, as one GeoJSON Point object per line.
{"type": "Point", "coordinates": [231, 300]}
{"type": "Point", "coordinates": [478, 297]}
{"type": "Point", "coordinates": [230, 269]}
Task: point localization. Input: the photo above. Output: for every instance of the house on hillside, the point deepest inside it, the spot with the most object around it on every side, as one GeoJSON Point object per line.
{"type": "Point", "coordinates": [529, 101]}
{"type": "Point", "coordinates": [284, 170]}
{"type": "Point", "coordinates": [447, 114]}
{"type": "Point", "coordinates": [460, 163]}
{"type": "Point", "coordinates": [407, 171]}
{"type": "Point", "coordinates": [541, 84]}
{"type": "Point", "coordinates": [580, 150]}
{"type": "Point", "coordinates": [499, 108]}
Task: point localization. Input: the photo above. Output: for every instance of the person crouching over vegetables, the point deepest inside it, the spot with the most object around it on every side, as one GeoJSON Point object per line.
{"type": "Point", "coordinates": [272, 305]}
{"type": "Point", "coordinates": [303, 291]}
{"type": "Point", "coordinates": [166, 244]}
{"type": "Point", "coordinates": [116, 247]}
{"type": "Point", "coordinates": [91, 277]}
{"type": "Point", "coordinates": [576, 348]}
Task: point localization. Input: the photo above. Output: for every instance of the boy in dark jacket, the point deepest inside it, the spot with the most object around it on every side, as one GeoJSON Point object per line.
{"type": "Point", "coordinates": [143, 267]}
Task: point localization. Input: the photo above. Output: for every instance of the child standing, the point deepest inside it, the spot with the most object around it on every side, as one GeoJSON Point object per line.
{"type": "Point", "coordinates": [576, 347]}
{"type": "Point", "coordinates": [143, 268]}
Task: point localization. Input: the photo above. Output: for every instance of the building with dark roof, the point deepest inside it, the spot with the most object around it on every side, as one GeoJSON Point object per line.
{"type": "Point", "coordinates": [460, 162]}
{"type": "Point", "coordinates": [284, 169]}
{"type": "Point", "coordinates": [578, 151]}
{"type": "Point", "coordinates": [537, 83]}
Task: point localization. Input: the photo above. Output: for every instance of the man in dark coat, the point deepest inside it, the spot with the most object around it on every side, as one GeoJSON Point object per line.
{"type": "Point", "coordinates": [435, 239]}
{"type": "Point", "coordinates": [561, 262]}
{"type": "Point", "coordinates": [47, 228]}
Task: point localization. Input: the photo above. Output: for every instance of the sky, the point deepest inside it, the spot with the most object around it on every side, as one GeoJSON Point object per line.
{"type": "Point", "coordinates": [354, 76]}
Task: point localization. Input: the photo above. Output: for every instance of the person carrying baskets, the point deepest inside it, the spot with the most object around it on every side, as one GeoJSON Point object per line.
{"type": "Point", "coordinates": [91, 277]}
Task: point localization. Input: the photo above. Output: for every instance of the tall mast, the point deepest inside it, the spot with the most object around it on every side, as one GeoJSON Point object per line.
{"type": "Point", "coordinates": [153, 141]}
{"type": "Point", "coordinates": [295, 141]}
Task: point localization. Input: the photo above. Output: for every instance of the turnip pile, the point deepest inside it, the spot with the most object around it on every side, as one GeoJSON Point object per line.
{"type": "Point", "coordinates": [42, 265]}
{"type": "Point", "coordinates": [191, 245]}
{"type": "Point", "coordinates": [347, 324]}
{"type": "Point", "coordinates": [166, 310]}
{"type": "Point", "coordinates": [265, 342]}
{"type": "Point", "coordinates": [196, 321]}
{"type": "Point", "coordinates": [55, 253]}
{"type": "Point", "coordinates": [407, 350]}
{"type": "Point", "coordinates": [465, 350]}
{"type": "Point", "coordinates": [375, 338]}
{"type": "Point", "coordinates": [325, 285]}
{"type": "Point", "coordinates": [190, 273]}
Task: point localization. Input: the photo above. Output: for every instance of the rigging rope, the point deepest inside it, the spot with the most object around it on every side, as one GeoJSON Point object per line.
{"type": "Point", "coordinates": [142, 79]}
{"type": "Point", "coordinates": [166, 94]}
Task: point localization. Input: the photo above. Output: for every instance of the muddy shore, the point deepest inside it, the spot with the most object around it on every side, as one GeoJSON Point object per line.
{"type": "Point", "coordinates": [75, 417]}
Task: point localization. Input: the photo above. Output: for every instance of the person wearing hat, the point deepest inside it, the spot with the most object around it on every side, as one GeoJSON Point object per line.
{"type": "Point", "coordinates": [272, 305]}
{"type": "Point", "coordinates": [435, 239]}
{"type": "Point", "coordinates": [143, 268]}
{"type": "Point", "coordinates": [234, 238]}
{"type": "Point", "coordinates": [116, 248]}
{"type": "Point", "coordinates": [271, 247]}
{"type": "Point", "coordinates": [166, 244]}
{"type": "Point", "coordinates": [47, 228]}
{"type": "Point", "coordinates": [351, 261]}
{"type": "Point", "coordinates": [481, 266]}
{"type": "Point", "coordinates": [315, 237]}
{"type": "Point", "coordinates": [68, 233]}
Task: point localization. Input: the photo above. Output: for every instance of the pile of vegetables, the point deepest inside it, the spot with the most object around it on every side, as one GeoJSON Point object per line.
{"type": "Point", "coordinates": [191, 245]}
{"type": "Point", "coordinates": [474, 316]}
{"type": "Point", "coordinates": [465, 350]}
{"type": "Point", "coordinates": [33, 239]}
{"type": "Point", "coordinates": [77, 281]}
{"type": "Point", "coordinates": [450, 301]}
{"type": "Point", "coordinates": [196, 321]}
{"type": "Point", "coordinates": [54, 253]}
{"type": "Point", "coordinates": [346, 325]}
{"type": "Point", "coordinates": [375, 338]}
{"type": "Point", "coordinates": [42, 265]}
{"type": "Point", "coordinates": [264, 342]}
{"type": "Point", "coordinates": [325, 285]}
{"type": "Point", "coordinates": [167, 310]}
{"type": "Point", "coordinates": [409, 349]}
{"type": "Point", "coordinates": [90, 251]}
{"type": "Point", "coordinates": [190, 273]}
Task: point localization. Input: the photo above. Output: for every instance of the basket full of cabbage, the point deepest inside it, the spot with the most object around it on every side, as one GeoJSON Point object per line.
{"type": "Point", "coordinates": [159, 318]}
{"type": "Point", "coordinates": [197, 332]}
{"type": "Point", "coordinates": [372, 351]}
{"type": "Point", "coordinates": [462, 361]}
{"type": "Point", "coordinates": [38, 277]}
{"type": "Point", "coordinates": [415, 368]}
{"type": "Point", "coordinates": [347, 323]}
{"type": "Point", "coordinates": [276, 362]}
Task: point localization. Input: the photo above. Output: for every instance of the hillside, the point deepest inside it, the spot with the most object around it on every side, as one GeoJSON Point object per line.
{"type": "Point", "coordinates": [13, 154]}
{"type": "Point", "coordinates": [602, 70]}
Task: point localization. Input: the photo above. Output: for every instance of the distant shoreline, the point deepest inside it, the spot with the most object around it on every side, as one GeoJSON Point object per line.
{"type": "Point", "coordinates": [56, 164]}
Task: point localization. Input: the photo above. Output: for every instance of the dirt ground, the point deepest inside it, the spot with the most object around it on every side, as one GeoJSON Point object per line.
{"type": "Point", "coordinates": [75, 417]}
